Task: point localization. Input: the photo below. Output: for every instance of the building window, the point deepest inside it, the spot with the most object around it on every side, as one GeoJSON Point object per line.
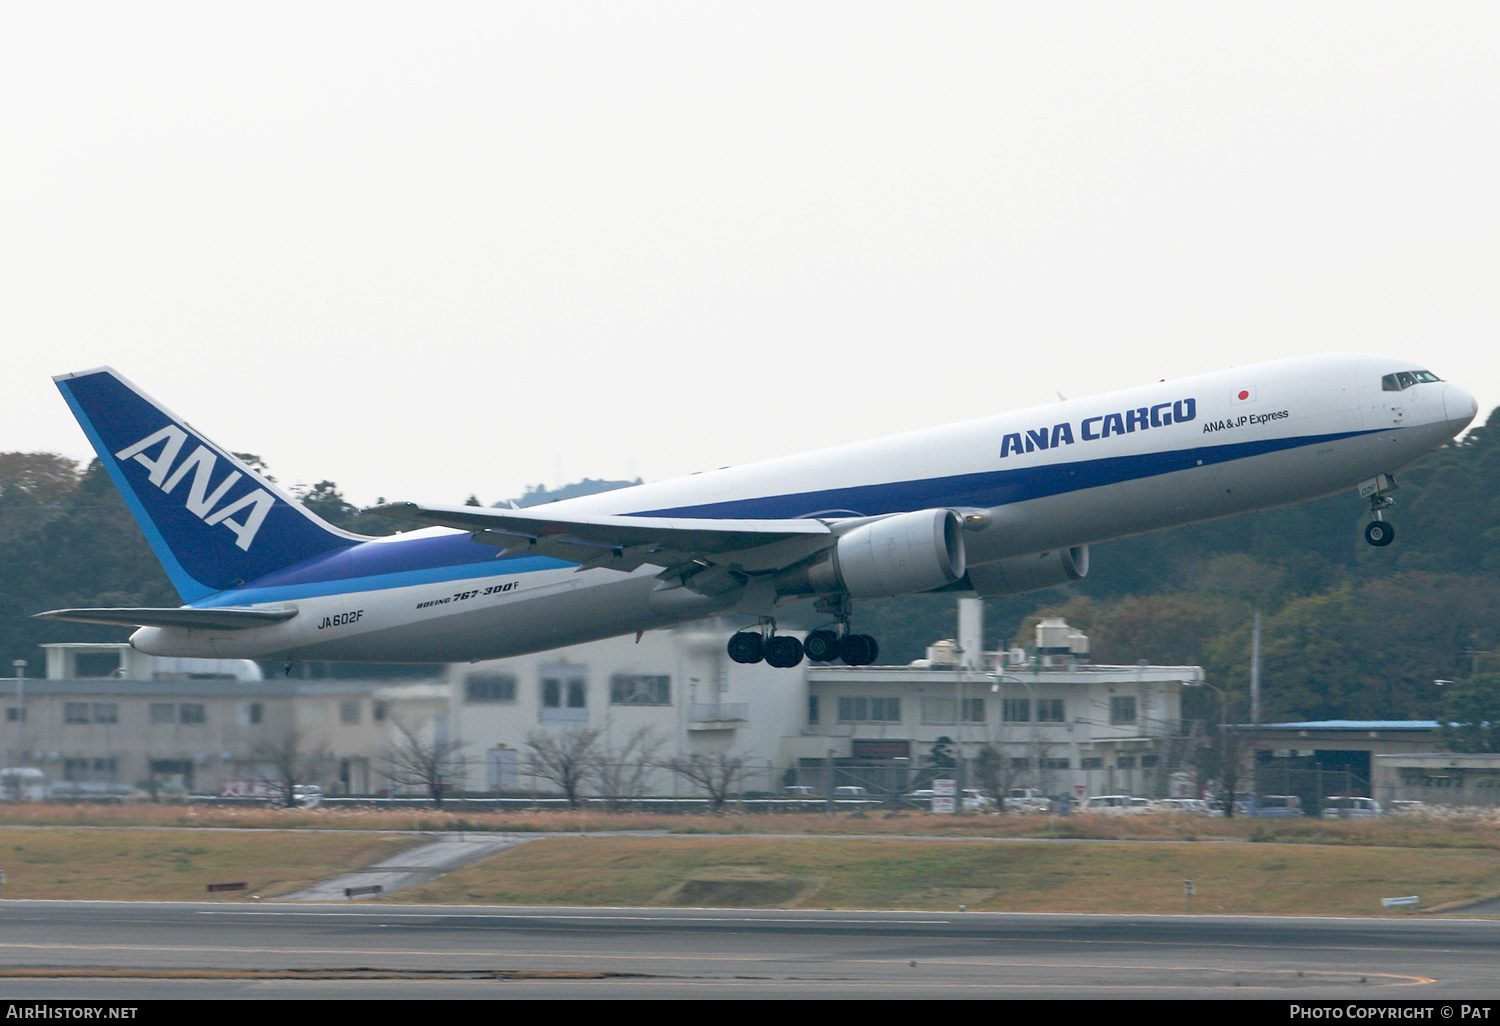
{"type": "Point", "coordinates": [564, 695]}
{"type": "Point", "coordinates": [349, 711]}
{"type": "Point", "coordinates": [1122, 709]}
{"type": "Point", "coordinates": [1124, 762]}
{"type": "Point", "coordinates": [1091, 762]}
{"type": "Point", "coordinates": [1054, 763]}
{"type": "Point", "coordinates": [378, 712]}
{"type": "Point", "coordinates": [192, 713]}
{"type": "Point", "coordinates": [1021, 763]}
{"type": "Point", "coordinates": [1050, 710]}
{"type": "Point", "coordinates": [250, 714]}
{"type": "Point", "coordinates": [489, 687]}
{"type": "Point", "coordinates": [163, 712]}
{"type": "Point", "coordinates": [90, 712]}
{"type": "Point", "coordinates": [812, 709]}
{"type": "Point", "coordinates": [973, 710]}
{"type": "Point", "coordinates": [1148, 762]}
{"type": "Point", "coordinates": [640, 689]}
{"type": "Point", "coordinates": [15, 714]}
{"type": "Point", "coordinates": [859, 709]}
{"type": "Point", "coordinates": [1016, 710]}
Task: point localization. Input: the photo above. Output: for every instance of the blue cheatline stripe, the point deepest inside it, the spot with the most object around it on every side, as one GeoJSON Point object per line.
{"type": "Point", "coordinates": [381, 582]}
{"type": "Point", "coordinates": [997, 487]}
{"type": "Point", "coordinates": [188, 587]}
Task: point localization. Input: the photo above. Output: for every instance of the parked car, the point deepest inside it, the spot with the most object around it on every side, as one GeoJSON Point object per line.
{"type": "Point", "coordinates": [1339, 806]}
{"type": "Point", "coordinates": [1027, 799]}
{"type": "Point", "coordinates": [23, 783]}
{"type": "Point", "coordinates": [1273, 806]}
{"type": "Point", "coordinates": [309, 796]}
{"type": "Point", "coordinates": [1184, 807]}
{"type": "Point", "coordinates": [1115, 805]}
{"type": "Point", "coordinates": [798, 791]}
{"type": "Point", "coordinates": [850, 791]}
{"type": "Point", "coordinates": [975, 800]}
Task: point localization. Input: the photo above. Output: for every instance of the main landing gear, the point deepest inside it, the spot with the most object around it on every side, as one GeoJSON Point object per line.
{"type": "Point", "coordinates": [784, 651]}
{"type": "Point", "coordinates": [1378, 532]}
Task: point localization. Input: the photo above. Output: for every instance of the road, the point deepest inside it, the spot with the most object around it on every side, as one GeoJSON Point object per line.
{"type": "Point", "coordinates": [138, 951]}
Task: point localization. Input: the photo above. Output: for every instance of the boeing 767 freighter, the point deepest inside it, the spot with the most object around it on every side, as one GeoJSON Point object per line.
{"type": "Point", "coordinates": [1000, 505]}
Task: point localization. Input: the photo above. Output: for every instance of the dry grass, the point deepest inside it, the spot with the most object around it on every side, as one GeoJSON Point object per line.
{"type": "Point", "coordinates": [914, 874]}
{"type": "Point", "coordinates": [1478, 831]}
{"type": "Point", "coordinates": [157, 865]}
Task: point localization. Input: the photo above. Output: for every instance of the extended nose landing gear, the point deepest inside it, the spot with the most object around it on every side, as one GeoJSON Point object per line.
{"type": "Point", "coordinates": [1378, 532]}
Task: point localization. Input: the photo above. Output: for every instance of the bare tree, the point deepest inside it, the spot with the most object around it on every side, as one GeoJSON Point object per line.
{"type": "Point", "coordinates": [565, 758]}
{"type": "Point", "coordinates": [717, 774]}
{"type": "Point", "coordinates": [622, 773]}
{"type": "Point", "coordinates": [431, 762]}
{"type": "Point", "coordinates": [297, 758]}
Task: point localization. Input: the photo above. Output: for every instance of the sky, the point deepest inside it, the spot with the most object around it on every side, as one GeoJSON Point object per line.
{"type": "Point", "coordinates": [434, 250]}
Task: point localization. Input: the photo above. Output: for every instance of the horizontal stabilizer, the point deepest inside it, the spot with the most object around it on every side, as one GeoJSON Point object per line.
{"type": "Point", "coordinates": [229, 618]}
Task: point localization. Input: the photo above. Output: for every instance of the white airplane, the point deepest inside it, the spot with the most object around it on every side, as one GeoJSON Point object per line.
{"type": "Point", "coordinates": [1001, 505]}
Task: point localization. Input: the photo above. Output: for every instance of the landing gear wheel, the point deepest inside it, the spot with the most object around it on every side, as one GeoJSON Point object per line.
{"type": "Point", "coordinates": [783, 651]}
{"type": "Point", "coordinates": [747, 647]}
{"type": "Point", "coordinates": [858, 649]}
{"type": "Point", "coordinates": [1379, 533]}
{"type": "Point", "coordinates": [822, 646]}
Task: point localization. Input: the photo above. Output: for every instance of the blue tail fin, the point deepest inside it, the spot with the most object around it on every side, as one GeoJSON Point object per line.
{"type": "Point", "coordinates": [212, 521]}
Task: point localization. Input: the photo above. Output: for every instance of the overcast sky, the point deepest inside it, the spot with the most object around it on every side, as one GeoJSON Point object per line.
{"type": "Point", "coordinates": [426, 250]}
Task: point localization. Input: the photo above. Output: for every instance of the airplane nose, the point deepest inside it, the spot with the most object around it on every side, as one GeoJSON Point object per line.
{"type": "Point", "coordinates": [1459, 406]}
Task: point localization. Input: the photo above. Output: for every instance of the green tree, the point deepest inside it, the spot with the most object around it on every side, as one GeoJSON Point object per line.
{"type": "Point", "coordinates": [1470, 718]}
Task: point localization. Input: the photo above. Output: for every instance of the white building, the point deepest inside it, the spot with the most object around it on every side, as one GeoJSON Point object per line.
{"type": "Point", "coordinates": [106, 718]}
{"type": "Point", "coordinates": [1049, 718]}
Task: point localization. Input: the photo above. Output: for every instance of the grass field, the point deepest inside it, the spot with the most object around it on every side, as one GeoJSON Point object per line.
{"type": "Point", "coordinates": [176, 865]}
{"type": "Point", "coordinates": [1479, 831]}
{"type": "Point", "coordinates": [1298, 867]}
{"type": "Point", "coordinates": [829, 872]}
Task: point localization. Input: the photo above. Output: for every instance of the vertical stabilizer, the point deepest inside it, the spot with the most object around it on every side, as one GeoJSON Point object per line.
{"type": "Point", "coordinates": [213, 522]}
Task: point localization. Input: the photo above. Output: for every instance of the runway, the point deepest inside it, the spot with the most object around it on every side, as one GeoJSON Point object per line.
{"type": "Point", "coordinates": [139, 951]}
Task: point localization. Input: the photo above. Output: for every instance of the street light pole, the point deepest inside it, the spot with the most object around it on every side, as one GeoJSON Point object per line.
{"type": "Point", "coordinates": [19, 665]}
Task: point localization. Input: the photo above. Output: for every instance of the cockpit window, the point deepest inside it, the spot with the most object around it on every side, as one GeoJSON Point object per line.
{"type": "Point", "coordinates": [1402, 380]}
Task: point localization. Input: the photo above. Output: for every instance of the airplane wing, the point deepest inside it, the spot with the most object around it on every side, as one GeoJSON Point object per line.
{"type": "Point", "coordinates": [626, 543]}
{"type": "Point", "coordinates": [227, 618]}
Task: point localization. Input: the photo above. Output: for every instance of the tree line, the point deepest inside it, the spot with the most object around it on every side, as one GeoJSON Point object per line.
{"type": "Point", "coordinates": [1348, 630]}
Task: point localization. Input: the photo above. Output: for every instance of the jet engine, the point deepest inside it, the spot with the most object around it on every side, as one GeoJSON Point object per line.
{"type": "Point", "coordinates": [896, 555]}
{"type": "Point", "coordinates": [1029, 573]}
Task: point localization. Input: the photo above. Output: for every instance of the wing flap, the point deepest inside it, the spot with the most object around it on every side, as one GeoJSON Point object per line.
{"type": "Point", "coordinates": [228, 618]}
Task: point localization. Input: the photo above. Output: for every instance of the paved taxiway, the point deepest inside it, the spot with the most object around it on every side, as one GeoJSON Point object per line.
{"type": "Point", "coordinates": [413, 951]}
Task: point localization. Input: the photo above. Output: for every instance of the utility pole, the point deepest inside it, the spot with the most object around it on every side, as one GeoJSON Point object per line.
{"type": "Point", "coordinates": [1255, 672]}
{"type": "Point", "coordinates": [20, 668]}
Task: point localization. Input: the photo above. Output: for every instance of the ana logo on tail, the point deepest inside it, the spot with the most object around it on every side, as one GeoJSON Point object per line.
{"type": "Point", "coordinates": [200, 502]}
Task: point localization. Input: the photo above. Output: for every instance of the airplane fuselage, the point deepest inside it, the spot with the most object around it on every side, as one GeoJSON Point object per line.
{"type": "Point", "coordinates": [1075, 473]}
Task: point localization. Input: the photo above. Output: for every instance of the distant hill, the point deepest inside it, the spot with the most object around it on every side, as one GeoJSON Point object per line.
{"type": "Point", "coordinates": [538, 494]}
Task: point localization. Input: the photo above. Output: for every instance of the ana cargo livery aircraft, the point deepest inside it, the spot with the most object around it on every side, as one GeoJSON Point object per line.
{"type": "Point", "coordinates": [995, 506]}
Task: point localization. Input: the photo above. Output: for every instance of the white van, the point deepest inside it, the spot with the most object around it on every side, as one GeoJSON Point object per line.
{"type": "Point", "coordinates": [23, 784]}
{"type": "Point", "coordinates": [1338, 806]}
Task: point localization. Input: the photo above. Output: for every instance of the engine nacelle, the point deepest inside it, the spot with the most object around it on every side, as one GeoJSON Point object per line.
{"type": "Point", "coordinates": [1029, 573]}
{"type": "Point", "coordinates": [897, 555]}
